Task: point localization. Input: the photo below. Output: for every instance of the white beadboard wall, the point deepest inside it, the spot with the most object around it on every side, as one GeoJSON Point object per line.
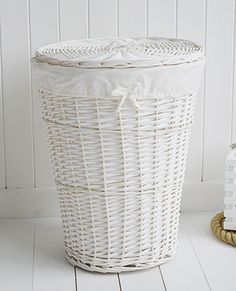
{"type": "Point", "coordinates": [26, 183]}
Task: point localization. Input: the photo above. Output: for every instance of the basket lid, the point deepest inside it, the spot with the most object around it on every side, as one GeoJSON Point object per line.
{"type": "Point", "coordinates": [128, 52]}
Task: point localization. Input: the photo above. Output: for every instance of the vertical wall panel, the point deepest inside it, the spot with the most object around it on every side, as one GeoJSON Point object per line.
{"type": "Point", "coordinates": [102, 18]}
{"type": "Point", "coordinates": [16, 93]}
{"type": "Point", "coordinates": [191, 25]}
{"type": "Point", "coordinates": [26, 152]}
{"type": "Point", "coordinates": [132, 18]}
{"type": "Point", "coordinates": [233, 125]}
{"type": "Point", "coordinates": [73, 19]}
{"type": "Point", "coordinates": [162, 18]}
{"type": "Point", "coordinates": [42, 33]}
{"type": "Point", "coordinates": [191, 20]}
{"type": "Point", "coordinates": [2, 160]}
{"type": "Point", "coordinates": [218, 92]}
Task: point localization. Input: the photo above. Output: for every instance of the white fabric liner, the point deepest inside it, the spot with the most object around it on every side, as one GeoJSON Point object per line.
{"type": "Point", "coordinates": [162, 82]}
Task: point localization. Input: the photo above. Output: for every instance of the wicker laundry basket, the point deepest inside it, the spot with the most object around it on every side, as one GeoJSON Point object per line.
{"type": "Point", "coordinates": [118, 114]}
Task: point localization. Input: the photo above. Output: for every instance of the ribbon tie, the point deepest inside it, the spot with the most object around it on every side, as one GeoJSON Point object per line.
{"type": "Point", "coordinates": [130, 93]}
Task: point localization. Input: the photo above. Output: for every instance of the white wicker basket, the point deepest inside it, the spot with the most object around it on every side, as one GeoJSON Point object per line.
{"type": "Point", "coordinates": [118, 116]}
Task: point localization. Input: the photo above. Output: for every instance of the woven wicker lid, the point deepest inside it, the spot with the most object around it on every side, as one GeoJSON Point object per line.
{"type": "Point", "coordinates": [129, 52]}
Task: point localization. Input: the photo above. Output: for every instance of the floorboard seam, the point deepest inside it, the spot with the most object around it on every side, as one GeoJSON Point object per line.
{"type": "Point", "coordinates": [33, 260]}
{"type": "Point", "coordinates": [199, 262]}
{"type": "Point", "coordinates": [162, 278]}
{"type": "Point", "coordinates": [119, 281]}
{"type": "Point", "coordinates": [76, 286]}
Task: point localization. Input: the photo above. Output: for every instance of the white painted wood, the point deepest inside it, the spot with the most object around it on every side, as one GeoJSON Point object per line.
{"type": "Point", "coordinates": [184, 272]}
{"type": "Point", "coordinates": [2, 155]}
{"type": "Point", "coordinates": [16, 93]}
{"type": "Point", "coordinates": [203, 196]}
{"type": "Point", "coordinates": [110, 18]}
{"type": "Point", "coordinates": [191, 20]}
{"type": "Point", "coordinates": [102, 18]}
{"type": "Point", "coordinates": [87, 281]}
{"type": "Point", "coordinates": [46, 31]}
{"type": "Point", "coordinates": [132, 18]}
{"type": "Point", "coordinates": [233, 124]}
{"type": "Point", "coordinates": [217, 258]}
{"type": "Point", "coordinates": [73, 19]}
{"type": "Point", "coordinates": [150, 280]}
{"type": "Point", "coordinates": [34, 202]}
{"type": "Point", "coordinates": [51, 270]}
{"type": "Point", "coordinates": [218, 92]}
{"type": "Point", "coordinates": [230, 191]}
{"type": "Point", "coordinates": [16, 255]}
{"type": "Point", "coordinates": [230, 223]}
{"type": "Point", "coordinates": [28, 264]}
{"type": "Point", "coordinates": [42, 33]}
{"type": "Point", "coordinates": [191, 25]}
{"type": "Point", "coordinates": [162, 18]}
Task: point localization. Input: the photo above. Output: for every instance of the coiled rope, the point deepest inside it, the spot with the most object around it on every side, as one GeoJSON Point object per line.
{"type": "Point", "coordinates": [227, 236]}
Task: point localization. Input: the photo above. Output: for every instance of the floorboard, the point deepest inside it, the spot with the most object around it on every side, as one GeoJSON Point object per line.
{"type": "Point", "coordinates": [150, 280]}
{"type": "Point", "coordinates": [32, 259]}
{"type": "Point", "coordinates": [217, 258]}
{"type": "Point", "coordinates": [184, 272]}
{"type": "Point", "coordinates": [16, 255]}
{"type": "Point", "coordinates": [51, 270]}
{"type": "Point", "coordinates": [92, 281]}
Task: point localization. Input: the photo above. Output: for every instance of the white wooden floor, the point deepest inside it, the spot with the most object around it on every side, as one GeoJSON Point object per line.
{"type": "Point", "coordinates": [32, 259]}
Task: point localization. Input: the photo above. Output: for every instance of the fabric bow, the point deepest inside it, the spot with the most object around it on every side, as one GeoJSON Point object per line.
{"type": "Point", "coordinates": [130, 93]}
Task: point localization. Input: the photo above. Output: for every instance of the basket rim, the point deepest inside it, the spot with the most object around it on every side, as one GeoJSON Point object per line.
{"type": "Point", "coordinates": [120, 52]}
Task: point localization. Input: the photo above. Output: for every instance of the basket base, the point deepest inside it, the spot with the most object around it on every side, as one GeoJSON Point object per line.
{"type": "Point", "coordinates": [116, 269]}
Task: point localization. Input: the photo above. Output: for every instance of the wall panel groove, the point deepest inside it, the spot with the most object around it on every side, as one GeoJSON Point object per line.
{"type": "Point", "coordinates": [16, 94]}
{"type": "Point", "coordinates": [218, 90]}
{"type": "Point", "coordinates": [88, 18]}
{"type": "Point", "coordinates": [2, 139]}
{"type": "Point", "coordinates": [102, 18]}
{"type": "Point", "coordinates": [233, 120]}
{"type": "Point", "coordinates": [73, 19]}
{"type": "Point", "coordinates": [204, 99]}
{"type": "Point", "coordinates": [42, 33]}
{"type": "Point", "coordinates": [58, 20]}
{"type": "Point", "coordinates": [132, 18]}
{"type": "Point", "coordinates": [117, 19]}
{"type": "Point", "coordinates": [162, 18]}
{"type": "Point", "coordinates": [31, 93]}
{"type": "Point", "coordinates": [191, 25]}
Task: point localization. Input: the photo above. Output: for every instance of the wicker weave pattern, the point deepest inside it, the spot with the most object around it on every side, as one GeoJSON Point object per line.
{"type": "Point", "coordinates": [123, 53]}
{"type": "Point", "coordinates": [119, 177]}
{"type": "Point", "coordinates": [118, 114]}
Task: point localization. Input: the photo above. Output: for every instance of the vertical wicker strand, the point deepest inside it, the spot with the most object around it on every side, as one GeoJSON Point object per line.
{"type": "Point", "coordinates": [88, 184]}
{"type": "Point", "coordinates": [174, 152]}
{"type": "Point", "coordinates": [71, 160]}
{"type": "Point", "coordinates": [124, 194]}
{"type": "Point", "coordinates": [154, 218]}
{"type": "Point", "coordinates": [139, 131]}
{"type": "Point", "coordinates": [180, 164]}
{"type": "Point", "coordinates": [105, 183]}
{"type": "Point", "coordinates": [167, 209]}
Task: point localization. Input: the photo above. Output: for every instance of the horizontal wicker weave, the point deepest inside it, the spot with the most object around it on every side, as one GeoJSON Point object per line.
{"type": "Point", "coordinates": [119, 165]}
